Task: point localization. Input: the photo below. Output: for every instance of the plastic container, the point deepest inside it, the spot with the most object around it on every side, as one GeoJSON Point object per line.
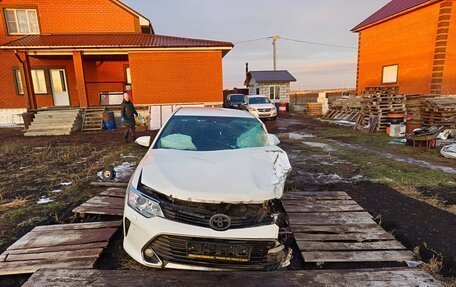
{"type": "Point", "coordinates": [109, 121]}
{"type": "Point", "coordinates": [282, 108]}
{"type": "Point", "coordinates": [397, 131]}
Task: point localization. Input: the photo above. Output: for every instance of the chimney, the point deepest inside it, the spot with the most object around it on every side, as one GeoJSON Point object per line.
{"type": "Point", "coordinates": [246, 68]}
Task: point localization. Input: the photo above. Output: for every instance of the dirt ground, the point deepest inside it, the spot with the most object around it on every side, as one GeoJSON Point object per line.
{"type": "Point", "coordinates": [417, 204]}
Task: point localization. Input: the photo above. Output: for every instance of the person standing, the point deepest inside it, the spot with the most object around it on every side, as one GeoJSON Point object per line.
{"type": "Point", "coordinates": [128, 112]}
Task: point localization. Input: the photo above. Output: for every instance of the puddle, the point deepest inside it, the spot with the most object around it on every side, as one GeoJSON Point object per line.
{"type": "Point", "coordinates": [295, 136]}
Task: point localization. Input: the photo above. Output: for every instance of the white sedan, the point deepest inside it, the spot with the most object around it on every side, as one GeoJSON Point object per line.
{"type": "Point", "coordinates": [206, 195]}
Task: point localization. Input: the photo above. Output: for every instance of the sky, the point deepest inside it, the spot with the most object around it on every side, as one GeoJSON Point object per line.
{"type": "Point", "coordinates": [314, 66]}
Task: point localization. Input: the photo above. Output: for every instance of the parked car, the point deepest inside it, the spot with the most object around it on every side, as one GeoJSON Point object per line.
{"type": "Point", "coordinates": [206, 195]}
{"type": "Point", "coordinates": [234, 101]}
{"type": "Point", "coordinates": [260, 106]}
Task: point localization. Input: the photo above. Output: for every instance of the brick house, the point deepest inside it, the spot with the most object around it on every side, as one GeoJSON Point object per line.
{"type": "Point", "coordinates": [69, 53]}
{"type": "Point", "coordinates": [275, 84]}
{"type": "Point", "coordinates": [409, 43]}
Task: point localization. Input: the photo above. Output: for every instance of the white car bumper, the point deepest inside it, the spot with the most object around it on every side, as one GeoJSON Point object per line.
{"type": "Point", "coordinates": [263, 115]}
{"type": "Point", "coordinates": [143, 231]}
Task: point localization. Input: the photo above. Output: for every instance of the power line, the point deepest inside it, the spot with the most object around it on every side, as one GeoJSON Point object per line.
{"type": "Point", "coordinates": [252, 40]}
{"type": "Point", "coordinates": [317, 43]}
{"type": "Point", "coordinates": [298, 41]}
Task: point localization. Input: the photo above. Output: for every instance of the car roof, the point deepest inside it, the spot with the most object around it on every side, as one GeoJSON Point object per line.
{"type": "Point", "coordinates": [256, 96]}
{"type": "Point", "coordinates": [213, 112]}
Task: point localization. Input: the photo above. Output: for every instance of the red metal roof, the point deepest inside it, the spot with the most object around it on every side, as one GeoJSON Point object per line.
{"type": "Point", "coordinates": [392, 8]}
{"type": "Point", "coordinates": [109, 41]}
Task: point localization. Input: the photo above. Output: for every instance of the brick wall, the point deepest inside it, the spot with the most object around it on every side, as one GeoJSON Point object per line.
{"type": "Point", "coordinates": [176, 77]}
{"type": "Point", "coordinates": [81, 16]}
{"type": "Point", "coordinates": [9, 97]}
{"type": "Point", "coordinates": [407, 41]}
{"type": "Point", "coordinates": [104, 77]}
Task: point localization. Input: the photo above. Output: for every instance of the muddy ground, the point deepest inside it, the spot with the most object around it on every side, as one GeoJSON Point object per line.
{"type": "Point", "coordinates": [417, 204]}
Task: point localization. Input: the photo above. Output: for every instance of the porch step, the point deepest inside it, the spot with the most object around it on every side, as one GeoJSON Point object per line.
{"type": "Point", "coordinates": [93, 119]}
{"type": "Point", "coordinates": [54, 123]}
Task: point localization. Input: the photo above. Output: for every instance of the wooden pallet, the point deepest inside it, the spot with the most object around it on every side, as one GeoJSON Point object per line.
{"type": "Point", "coordinates": [335, 278]}
{"type": "Point", "coordinates": [74, 246]}
{"type": "Point", "coordinates": [109, 202]}
{"type": "Point", "coordinates": [331, 227]}
{"type": "Point", "coordinates": [93, 119]}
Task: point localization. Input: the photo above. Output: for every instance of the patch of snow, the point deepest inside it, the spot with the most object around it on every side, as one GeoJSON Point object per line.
{"type": "Point", "coordinates": [39, 147]}
{"type": "Point", "coordinates": [44, 200]}
{"type": "Point", "coordinates": [57, 191]}
{"type": "Point", "coordinates": [345, 123]}
{"type": "Point", "coordinates": [127, 155]}
{"type": "Point", "coordinates": [67, 183]}
{"type": "Point", "coordinates": [323, 146]}
{"type": "Point", "coordinates": [357, 177]}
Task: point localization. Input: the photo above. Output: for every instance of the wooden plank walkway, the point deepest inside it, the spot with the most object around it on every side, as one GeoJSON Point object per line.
{"type": "Point", "coordinates": [75, 246]}
{"type": "Point", "coordinates": [109, 202]}
{"type": "Point", "coordinates": [335, 278]}
{"type": "Point", "coordinates": [331, 227]}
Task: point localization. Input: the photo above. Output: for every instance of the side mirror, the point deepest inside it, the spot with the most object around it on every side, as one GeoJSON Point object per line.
{"type": "Point", "coordinates": [273, 140]}
{"type": "Point", "coordinates": [144, 141]}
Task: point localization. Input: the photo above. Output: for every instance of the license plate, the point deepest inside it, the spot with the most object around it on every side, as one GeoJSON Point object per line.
{"type": "Point", "coordinates": [219, 251]}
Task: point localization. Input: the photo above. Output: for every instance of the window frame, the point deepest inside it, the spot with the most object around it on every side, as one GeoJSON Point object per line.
{"type": "Point", "coordinates": [127, 75]}
{"type": "Point", "coordinates": [274, 97]}
{"type": "Point", "coordinates": [383, 74]}
{"type": "Point", "coordinates": [29, 25]}
{"type": "Point", "coordinates": [46, 88]}
{"type": "Point", "coordinates": [19, 82]}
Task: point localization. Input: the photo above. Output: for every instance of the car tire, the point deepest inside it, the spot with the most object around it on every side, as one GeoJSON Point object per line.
{"type": "Point", "coordinates": [108, 174]}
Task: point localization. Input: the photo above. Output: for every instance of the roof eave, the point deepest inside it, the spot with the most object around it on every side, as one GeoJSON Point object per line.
{"type": "Point", "coordinates": [359, 28]}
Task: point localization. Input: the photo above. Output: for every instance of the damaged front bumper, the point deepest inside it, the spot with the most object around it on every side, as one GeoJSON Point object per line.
{"type": "Point", "coordinates": [162, 243]}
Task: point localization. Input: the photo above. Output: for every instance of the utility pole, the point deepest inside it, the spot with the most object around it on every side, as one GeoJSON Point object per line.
{"type": "Point", "coordinates": [274, 45]}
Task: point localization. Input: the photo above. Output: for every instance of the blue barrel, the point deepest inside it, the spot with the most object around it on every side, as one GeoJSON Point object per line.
{"type": "Point", "coordinates": [109, 121]}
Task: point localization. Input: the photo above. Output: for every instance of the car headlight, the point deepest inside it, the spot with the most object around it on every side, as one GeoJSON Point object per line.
{"type": "Point", "coordinates": [143, 204]}
{"type": "Point", "coordinates": [252, 109]}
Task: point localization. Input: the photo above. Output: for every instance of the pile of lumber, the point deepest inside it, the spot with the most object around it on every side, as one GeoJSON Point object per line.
{"type": "Point", "coordinates": [414, 104]}
{"type": "Point", "coordinates": [378, 102]}
{"type": "Point", "coordinates": [344, 114]}
{"type": "Point", "coordinates": [314, 109]}
{"type": "Point", "coordinates": [439, 111]}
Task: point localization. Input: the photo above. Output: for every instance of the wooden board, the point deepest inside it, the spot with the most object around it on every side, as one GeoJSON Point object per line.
{"type": "Point", "coordinates": [337, 278]}
{"type": "Point", "coordinates": [114, 192]}
{"type": "Point", "coordinates": [109, 184]}
{"type": "Point", "coordinates": [331, 227]}
{"type": "Point", "coordinates": [357, 256]}
{"type": "Point", "coordinates": [58, 246]}
{"type": "Point", "coordinates": [109, 202]}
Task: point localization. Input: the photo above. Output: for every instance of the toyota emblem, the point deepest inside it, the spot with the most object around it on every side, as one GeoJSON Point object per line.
{"type": "Point", "coordinates": [220, 222]}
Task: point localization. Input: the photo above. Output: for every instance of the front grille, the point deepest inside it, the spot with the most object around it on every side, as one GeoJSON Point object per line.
{"type": "Point", "coordinates": [201, 215]}
{"type": "Point", "coordinates": [264, 110]}
{"type": "Point", "coordinates": [174, 249]}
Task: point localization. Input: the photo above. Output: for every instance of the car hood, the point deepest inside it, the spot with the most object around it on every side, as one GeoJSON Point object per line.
{"type": "Point", "coordinates": [251, 175]}
{"type": "Point", "coordinates": [262, 106]}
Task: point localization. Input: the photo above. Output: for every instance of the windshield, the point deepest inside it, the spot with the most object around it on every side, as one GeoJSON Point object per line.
{"type": "Point", "coordinates": [236, 98]}
{"type": "Point", "coordinates": [202, 133]}
{"type": "Point", "coordinates": [259, 100]}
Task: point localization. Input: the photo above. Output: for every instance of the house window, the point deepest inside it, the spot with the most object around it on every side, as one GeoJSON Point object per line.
{"type": "Point", "coordinates": [39, 82]}
{"type": "Point", "coordinates": [19, 84]}
{"type": "Point", "coordinates": [22, 21]}
{"type": "Point", "coordinates": [389, 75]}
{"type": "Point", "coordinates": [128, 75]}
{"type": "Point", "coordinates": [274, 92]}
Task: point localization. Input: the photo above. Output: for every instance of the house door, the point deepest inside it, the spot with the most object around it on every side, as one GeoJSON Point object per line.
{"type": "Point", "coordinates": [59, 87]}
